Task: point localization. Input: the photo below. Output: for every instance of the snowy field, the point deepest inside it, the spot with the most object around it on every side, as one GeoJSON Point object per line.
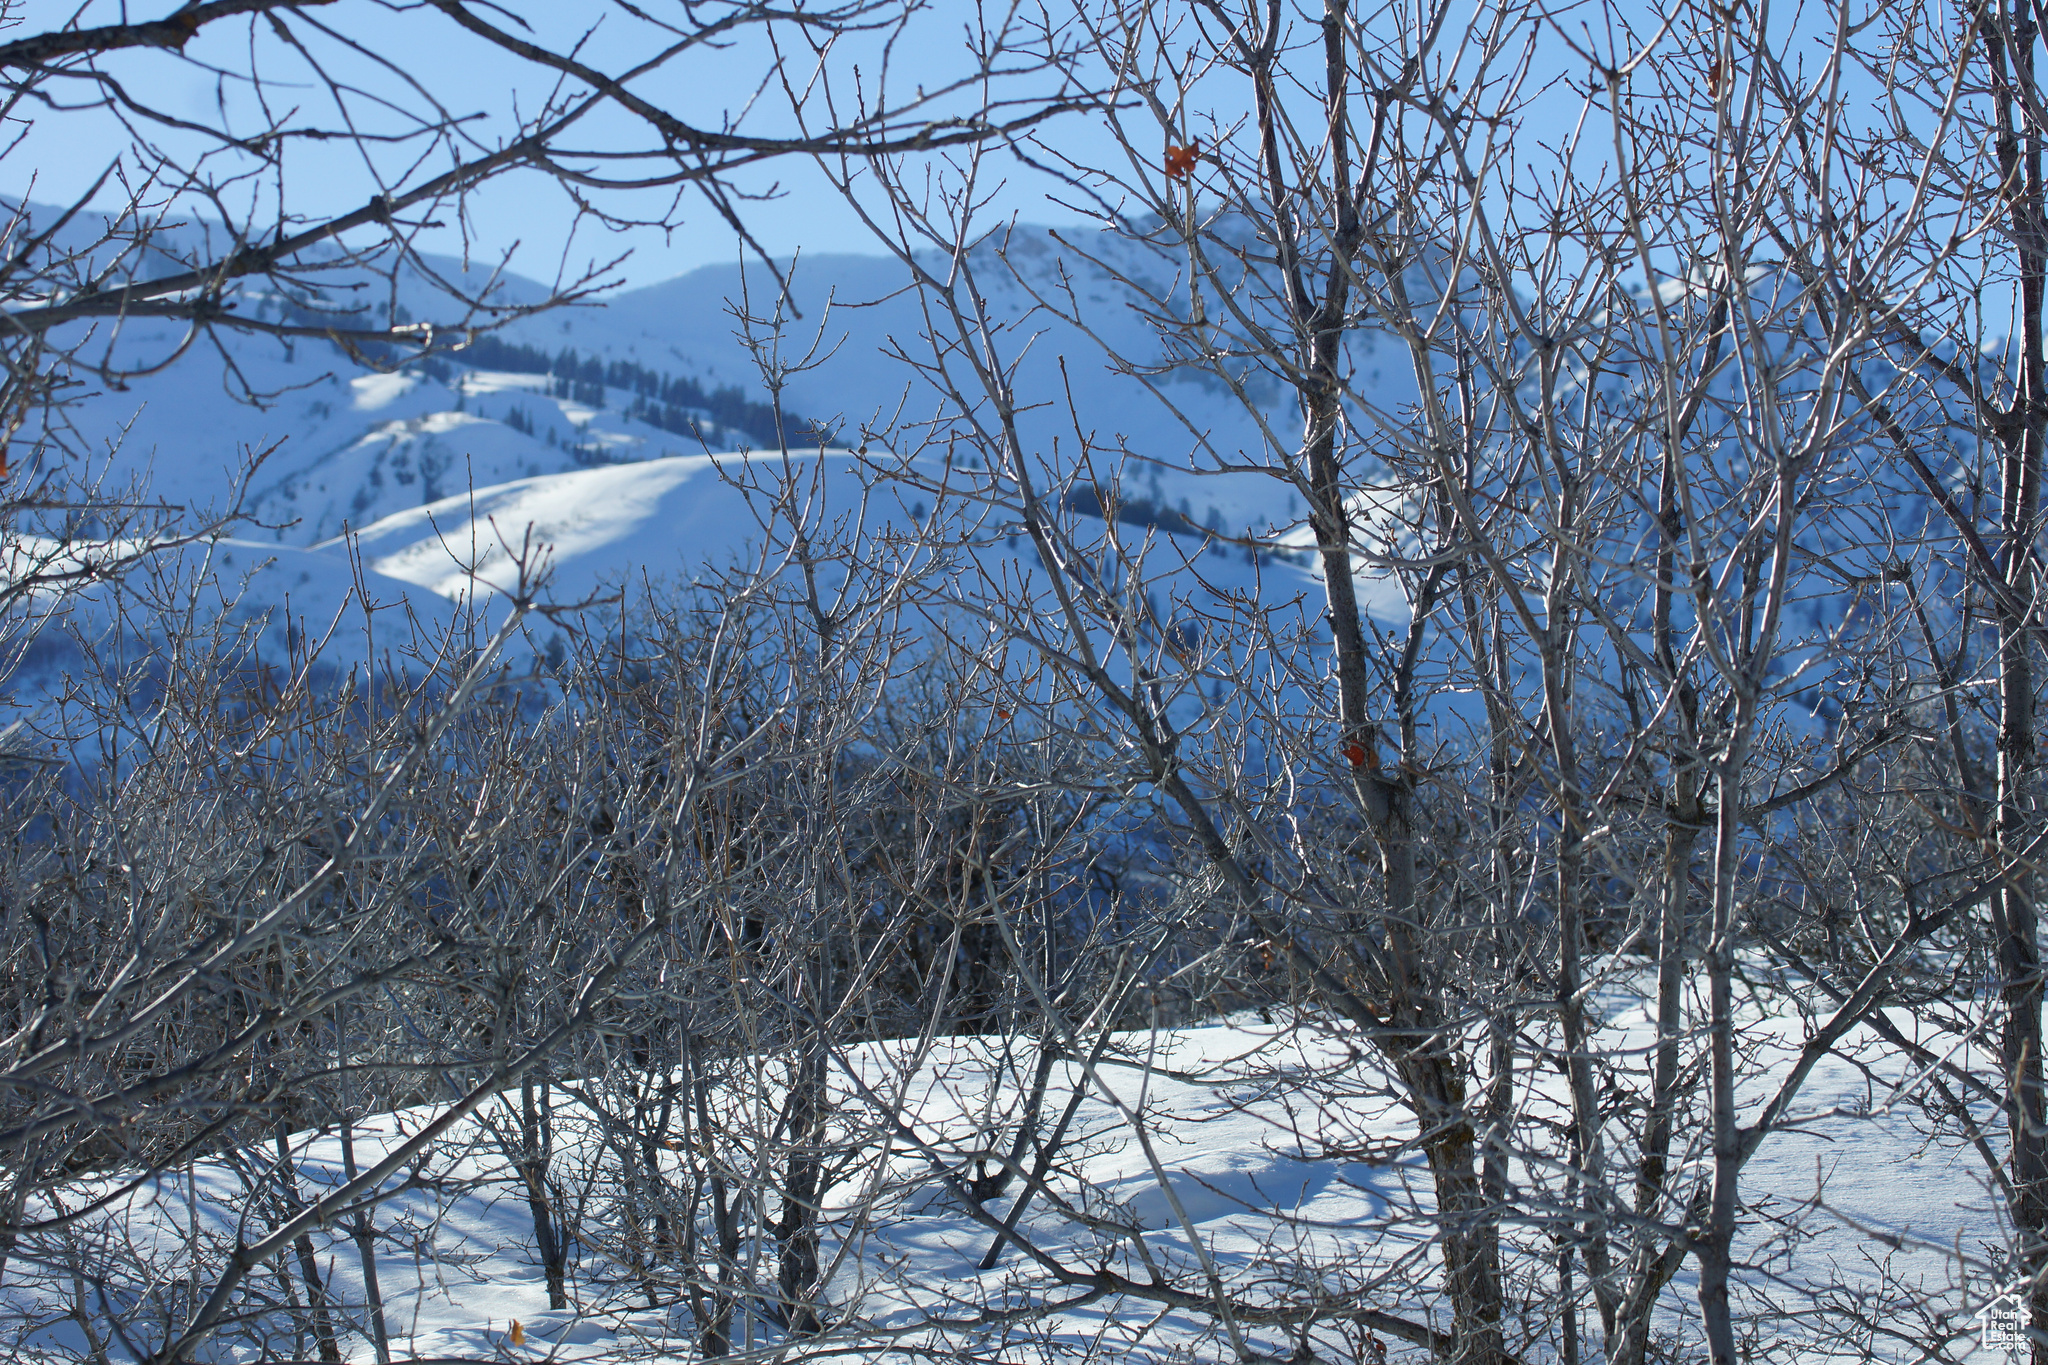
{"type": "Point", "coordinates": [1261, 1152]}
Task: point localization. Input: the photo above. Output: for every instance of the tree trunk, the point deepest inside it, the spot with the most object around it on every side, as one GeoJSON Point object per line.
{"type": "Point", "coordinates": [309, 1261]}
{"type": "Point", "coordinates": [1466, 1217]}
{"type": "Point", "coordinates": [536, 1143]}
{"type": "Point", "coordinates": [361, 1227]}
{"type": "Point", "coordinates": [712, 1298]}
{"type": "Point", "coordinates": [1715, 1245]}
{"type": "Point", "coordinates": [1651, 1269]}
{"type": "Point", "coordinates": [796, 1232]}
{"type": "Point", "coordinates": [2019, 961]}
{"type": "Point", "coordinates": [2011, 41]}
{"type": "Point", "coordinates": [364, 1233]}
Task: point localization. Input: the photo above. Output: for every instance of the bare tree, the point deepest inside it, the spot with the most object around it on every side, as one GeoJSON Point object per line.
{"type": "Point", "coordinates": [1658, 732]}
{"type": "Point", "coordinates": [1643, 589]}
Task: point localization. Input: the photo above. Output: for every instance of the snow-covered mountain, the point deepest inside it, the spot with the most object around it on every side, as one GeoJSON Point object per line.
{"type": "Point", "coordinates": [593, 429]}
{"type": "Point", "coordinates": [613, 439]}
{"type": "Point", "coordinates": [650, 372]}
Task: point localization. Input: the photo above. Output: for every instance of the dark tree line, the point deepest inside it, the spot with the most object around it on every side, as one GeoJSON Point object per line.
{"type": "Point", "coordinates": [674, 403]}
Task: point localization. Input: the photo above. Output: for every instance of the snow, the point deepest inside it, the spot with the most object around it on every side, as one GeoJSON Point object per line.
{"type": "Point", "coordinates": [594, 531]}
{"type": "Point", "coordinates": [477, 383]}
{"type": "Point", "coordinates": [397, 458]}
{"type": "Point", "coordinates": [374, 391]}
{"type": "Point", "coordinates": [593, 525]}
{"type": "Point", "coordinates": [400, 489]}
{"type": "Point", "coordinates": [1237, 1118]}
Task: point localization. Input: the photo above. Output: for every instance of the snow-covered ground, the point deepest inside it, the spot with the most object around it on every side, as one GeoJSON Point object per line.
{"type": "Point", "coordinates": [1264, 1150]}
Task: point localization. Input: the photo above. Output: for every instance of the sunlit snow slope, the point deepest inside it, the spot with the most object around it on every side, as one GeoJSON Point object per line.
{"type": "Point", "coordinates": [605, 439]}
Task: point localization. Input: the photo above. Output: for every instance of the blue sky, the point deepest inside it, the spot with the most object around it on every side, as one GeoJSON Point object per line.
{"type": "Point", "coordinates": [62, 152]}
